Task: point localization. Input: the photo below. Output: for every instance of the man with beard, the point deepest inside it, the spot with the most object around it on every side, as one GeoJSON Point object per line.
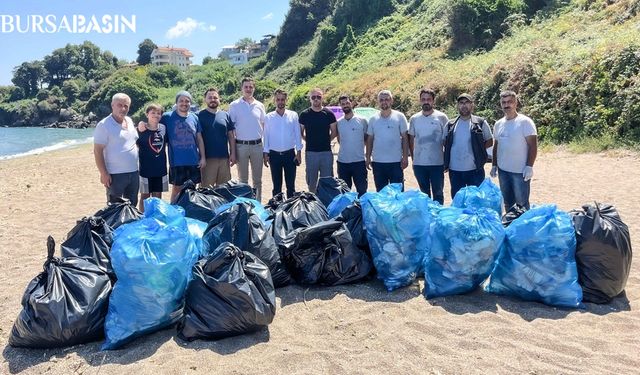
{"type": "Point", "coordinates": [515, 148]}
{"type": "Point", "coordinates": [186, 147]}
{"type": "Point", "coordinates": [388, 143]}
{"type": "Point", "coordinates": [282, 144]}
{"type": "Point", "coordinates": [219, 140]}
{"type": "Point", "coordinates": [318, 129]}
{"type": "Point", "coordinates": [352, 134]}
{"type": "Point", "coordinates": [426, 146]}
{"type": "Point", "coordinates": [247, 114]}
{"type": "Point", "coordinates": [465, 149]}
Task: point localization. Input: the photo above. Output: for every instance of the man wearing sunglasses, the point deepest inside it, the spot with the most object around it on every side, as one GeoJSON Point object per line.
{"type": "Point", "coordinates": [318, 126]}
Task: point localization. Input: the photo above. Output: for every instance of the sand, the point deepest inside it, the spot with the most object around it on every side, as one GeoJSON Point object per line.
{"type": "Point", "coordinates": [357, 328]}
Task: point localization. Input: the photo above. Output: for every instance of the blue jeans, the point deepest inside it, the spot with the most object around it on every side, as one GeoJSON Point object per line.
{"type": "Point", "coordinates": [431, 179]}
{"type": "Point", "coordinates": [387, 173]}
{"type": "Point", "coordinates": [460, 179]}
{"type": "Point", "coordinates": [514, 189]}
{"type": "Point", "coordinates": [354, 172]}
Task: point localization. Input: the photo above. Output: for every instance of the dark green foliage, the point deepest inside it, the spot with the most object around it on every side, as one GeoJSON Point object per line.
{"type": "Point", "coordinates": [145, 48]}
{"type": "Point", "coordinates": [29, 76]}
{"type": "Point", "coordinates": [219, 74]}
{"type": "Point", "coordinates": [478, 24]}
{"type": "Point", "coordinates": [128, 81]}
{"type": "Point", "coordinates": [166, 76]}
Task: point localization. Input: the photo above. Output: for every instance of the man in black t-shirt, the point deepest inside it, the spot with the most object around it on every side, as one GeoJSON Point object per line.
{"type": "Point", "coordinates": [318, 129]}
{"type": "Point", "coordinates": [219, 140]}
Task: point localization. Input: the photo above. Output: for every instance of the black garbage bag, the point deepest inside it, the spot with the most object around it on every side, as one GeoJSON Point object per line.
{"type": "Point", "coordinates": [352, 217]}
{"type": "Point", "coordinates": [302, 210]}
{"type": "Point", "coordinates": [329, 187]}
{"type": "Point", "coordinates": [231, 293]}
{"type": "Point", "coordinates": [118, 213]}
{"type": "Point", "coordinates": [325, 254]}
{"type": "Point", "coordinates": [91, 238]}
{"type": "Point", "coordinates": [64, 305]}
{"type": "Point", "coordinates": [603, 252]}
{"type": "Point", "coordinates": [232, 189]}
{"type": "Point", "coordinates": [275, 202]}
{"type": "Point", "coordinates": [240, 226]}
{"type": "Point", "coordinates": [513, 213]}
{"type": "Point", "coordinates": [199, 204]}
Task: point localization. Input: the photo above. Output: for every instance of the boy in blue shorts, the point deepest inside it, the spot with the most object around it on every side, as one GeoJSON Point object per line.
{"type": "Point", "coordinates": [152, 154]}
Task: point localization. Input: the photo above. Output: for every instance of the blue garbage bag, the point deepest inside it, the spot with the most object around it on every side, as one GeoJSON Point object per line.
{"type": "Point", "coordinates": [152, 259]}
{"type": "Point", "coordinates": [255, 206]}
{"type": "Point", "coordinates": [340, 202]}
{"type": "Point", "coordinates": [397, 227]}
{"type": "Point", "coordinates": [196, 230]}
{"type": "Point", "coordinates": [465, 244]}
{"type": "Point", "coordinates": [537, 262]}
{"type": "Point", "coordinates": [486, 195]}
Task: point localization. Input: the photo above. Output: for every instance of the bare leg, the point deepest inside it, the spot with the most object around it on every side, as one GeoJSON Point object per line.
{"type": "Point", "coordinates": [175, 191]}
{"type": "Point", "coordinates": [143, 196]}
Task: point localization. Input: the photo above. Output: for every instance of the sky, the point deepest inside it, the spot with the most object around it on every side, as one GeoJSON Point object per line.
{"type": "Point", "coordinates": [203, 27]}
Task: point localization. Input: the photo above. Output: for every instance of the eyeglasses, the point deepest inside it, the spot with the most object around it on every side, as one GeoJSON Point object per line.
{"type": "Point", "coordinates": [316, 97]}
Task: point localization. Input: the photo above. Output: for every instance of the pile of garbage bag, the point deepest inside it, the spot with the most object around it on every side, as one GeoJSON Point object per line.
{"type": "Point", "coordinates": [302, 210]}
{"type": "Point", "coordinates": [152, 259]}
{"type": "Point", "coordinates": [538, 261]}
{"type": "Point", "coordinates": [241, 226]}
{"type": "Point", "coordinates": [324, 254]}
{"type": "Point", "coordinates": [352, 217]}
{"type": "Point", "coordinates": [397, 225]}
{"type": "Point", "coordinates": [603, 251]}
{"type": "Point", "coordinates": [91, 238]}
{"type": "Point", "coordinates": [486, 195]}
{"type": "Point", "coordinates": [513, 213]}
{"type": "Point", "coordinates": [231, 293]}
{"type": "Point", "coordinates": [464, 246]}
{"type": "Point", "coordinates": [64, 305]}
{"type": "Point", "coordinates": [251, 204]}
{"type": "Point", "coordinates": [233, 189]}
{"type": "Point", "coordinates": [329, 187]}
{"type": "Point", "coordinates": [117, 213]}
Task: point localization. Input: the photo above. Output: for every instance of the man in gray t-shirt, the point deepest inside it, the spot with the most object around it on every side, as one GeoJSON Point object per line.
{"type": "Point", "coordinates": [468, 137]}
{"type": "Point", "coordinates": [388, 143]}
{"type": "Point", "coordinates": [427, 130]}
{"type": "Point", "coordinates": [352, 133]}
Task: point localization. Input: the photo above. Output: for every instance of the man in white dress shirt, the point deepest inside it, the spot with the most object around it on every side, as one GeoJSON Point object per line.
{"type": "Point", "coordinates": [282, 144]}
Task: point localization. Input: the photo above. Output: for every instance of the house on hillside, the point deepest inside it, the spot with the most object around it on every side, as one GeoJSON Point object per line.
{"type": "Point", "coordinates": [238, 56]}
{"type": "Point", "coordinates": [180, 57]}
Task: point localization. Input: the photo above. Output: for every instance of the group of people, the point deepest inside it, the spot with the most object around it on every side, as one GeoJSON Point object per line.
{"type": "Point", "coordinates": [203, 146]}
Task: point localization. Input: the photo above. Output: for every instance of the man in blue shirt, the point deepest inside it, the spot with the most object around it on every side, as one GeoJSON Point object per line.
{"type": "Point", "coordinates": [219, 140]}
{"type": "Point", "coordinates": [186, 146]}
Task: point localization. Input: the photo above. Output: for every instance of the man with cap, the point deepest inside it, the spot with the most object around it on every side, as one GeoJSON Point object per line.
{"type": "Point", "coordinates": [515, 149]}
{"type": "Point", "coordinates": [465, 146]}
{"type": "Point", "coordinates": [186, 146]}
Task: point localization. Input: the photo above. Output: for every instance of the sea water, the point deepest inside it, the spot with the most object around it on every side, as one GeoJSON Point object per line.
{"type": "Point", "coordinates": [22, 141]}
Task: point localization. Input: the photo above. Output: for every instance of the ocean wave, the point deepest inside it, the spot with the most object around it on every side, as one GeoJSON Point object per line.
{"type": "Point", "coordinates": [57, 146]}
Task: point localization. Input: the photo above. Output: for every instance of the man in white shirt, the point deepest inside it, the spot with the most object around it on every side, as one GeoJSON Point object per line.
{"type": "Point", "coordinates": [248, 114]}
{"type": "Point", "coordinates": [427, 130]}
{"type": "Point", "coordinates": [515, 148]}
{"type": "Point", "coordinates": [387, 142]}
{"type": "Point", "coordinates": [468, 137]}
{"type": "Point", "coordinates": [282, 144]}
{"type": "Point", "coordinates": [116, 153]}
{"type": "Point", "coordinates": [352, 133]}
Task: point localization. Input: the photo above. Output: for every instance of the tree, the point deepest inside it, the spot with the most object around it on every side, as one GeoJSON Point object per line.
{"type": "Point", "coordinates": [207, 60]}
{"type": "Point", "coordinates": [29, 76]}
{"type": "Point", "coordinates": [144, 51]}
{"type": "Point", "coordinates": [244, 43]}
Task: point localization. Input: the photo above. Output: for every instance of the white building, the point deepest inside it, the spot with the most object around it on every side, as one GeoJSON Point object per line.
{"type": "Point", "coordinates": [180, 57]}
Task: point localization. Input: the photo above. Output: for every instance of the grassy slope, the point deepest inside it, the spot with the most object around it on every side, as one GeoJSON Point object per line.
{"type": "Point", "coordinates": [395, 54]}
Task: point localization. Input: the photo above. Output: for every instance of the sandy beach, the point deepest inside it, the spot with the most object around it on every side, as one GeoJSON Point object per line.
{"type": "Point", "coordinates": [349, 329]}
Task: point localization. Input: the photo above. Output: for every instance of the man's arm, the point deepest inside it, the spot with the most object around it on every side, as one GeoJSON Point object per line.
{"type": "Point", "coordinates": [302, 132]}
{"type": "Point", "coordinates": [98, 154]}
{"type": "Point", "coordinates": [203, 157]}
{"type": "Point", "coordinates": [405, 150]}
{"type": "Point", "coordinates": [411, 140]}
{"type": "Point", "coordinates": [532, 149]}
{"type": "Point", "coordinates": [333, 130]}
{"type": "Point", "coordinates": [368, 148]}
{"type": "Point", "coordinates": [231, 138]}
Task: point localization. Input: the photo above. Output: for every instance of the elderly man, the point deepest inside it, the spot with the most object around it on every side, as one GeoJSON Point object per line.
{"type": "Point", "coordinates": [318, 129]}
{"type": "Point", "coordinates": [465, 148]}
{"type": "Point", "coordinates": [186, 146]}
{"type": "Point", "coordinates": [515, 147]}
{"type": "Point", "coordinates": [387, 142]}
{"type": "Point", "coordinates": [115, 152]}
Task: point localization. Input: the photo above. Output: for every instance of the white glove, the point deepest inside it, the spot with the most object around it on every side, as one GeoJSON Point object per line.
{"type": "Point", "coordinates": [527, 173]}
{"type": "Point", "coordinates": [494, 171]}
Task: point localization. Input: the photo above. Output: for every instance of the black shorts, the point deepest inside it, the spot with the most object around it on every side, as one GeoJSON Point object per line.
{"type": "Point", "coordinates": [179, 175]}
